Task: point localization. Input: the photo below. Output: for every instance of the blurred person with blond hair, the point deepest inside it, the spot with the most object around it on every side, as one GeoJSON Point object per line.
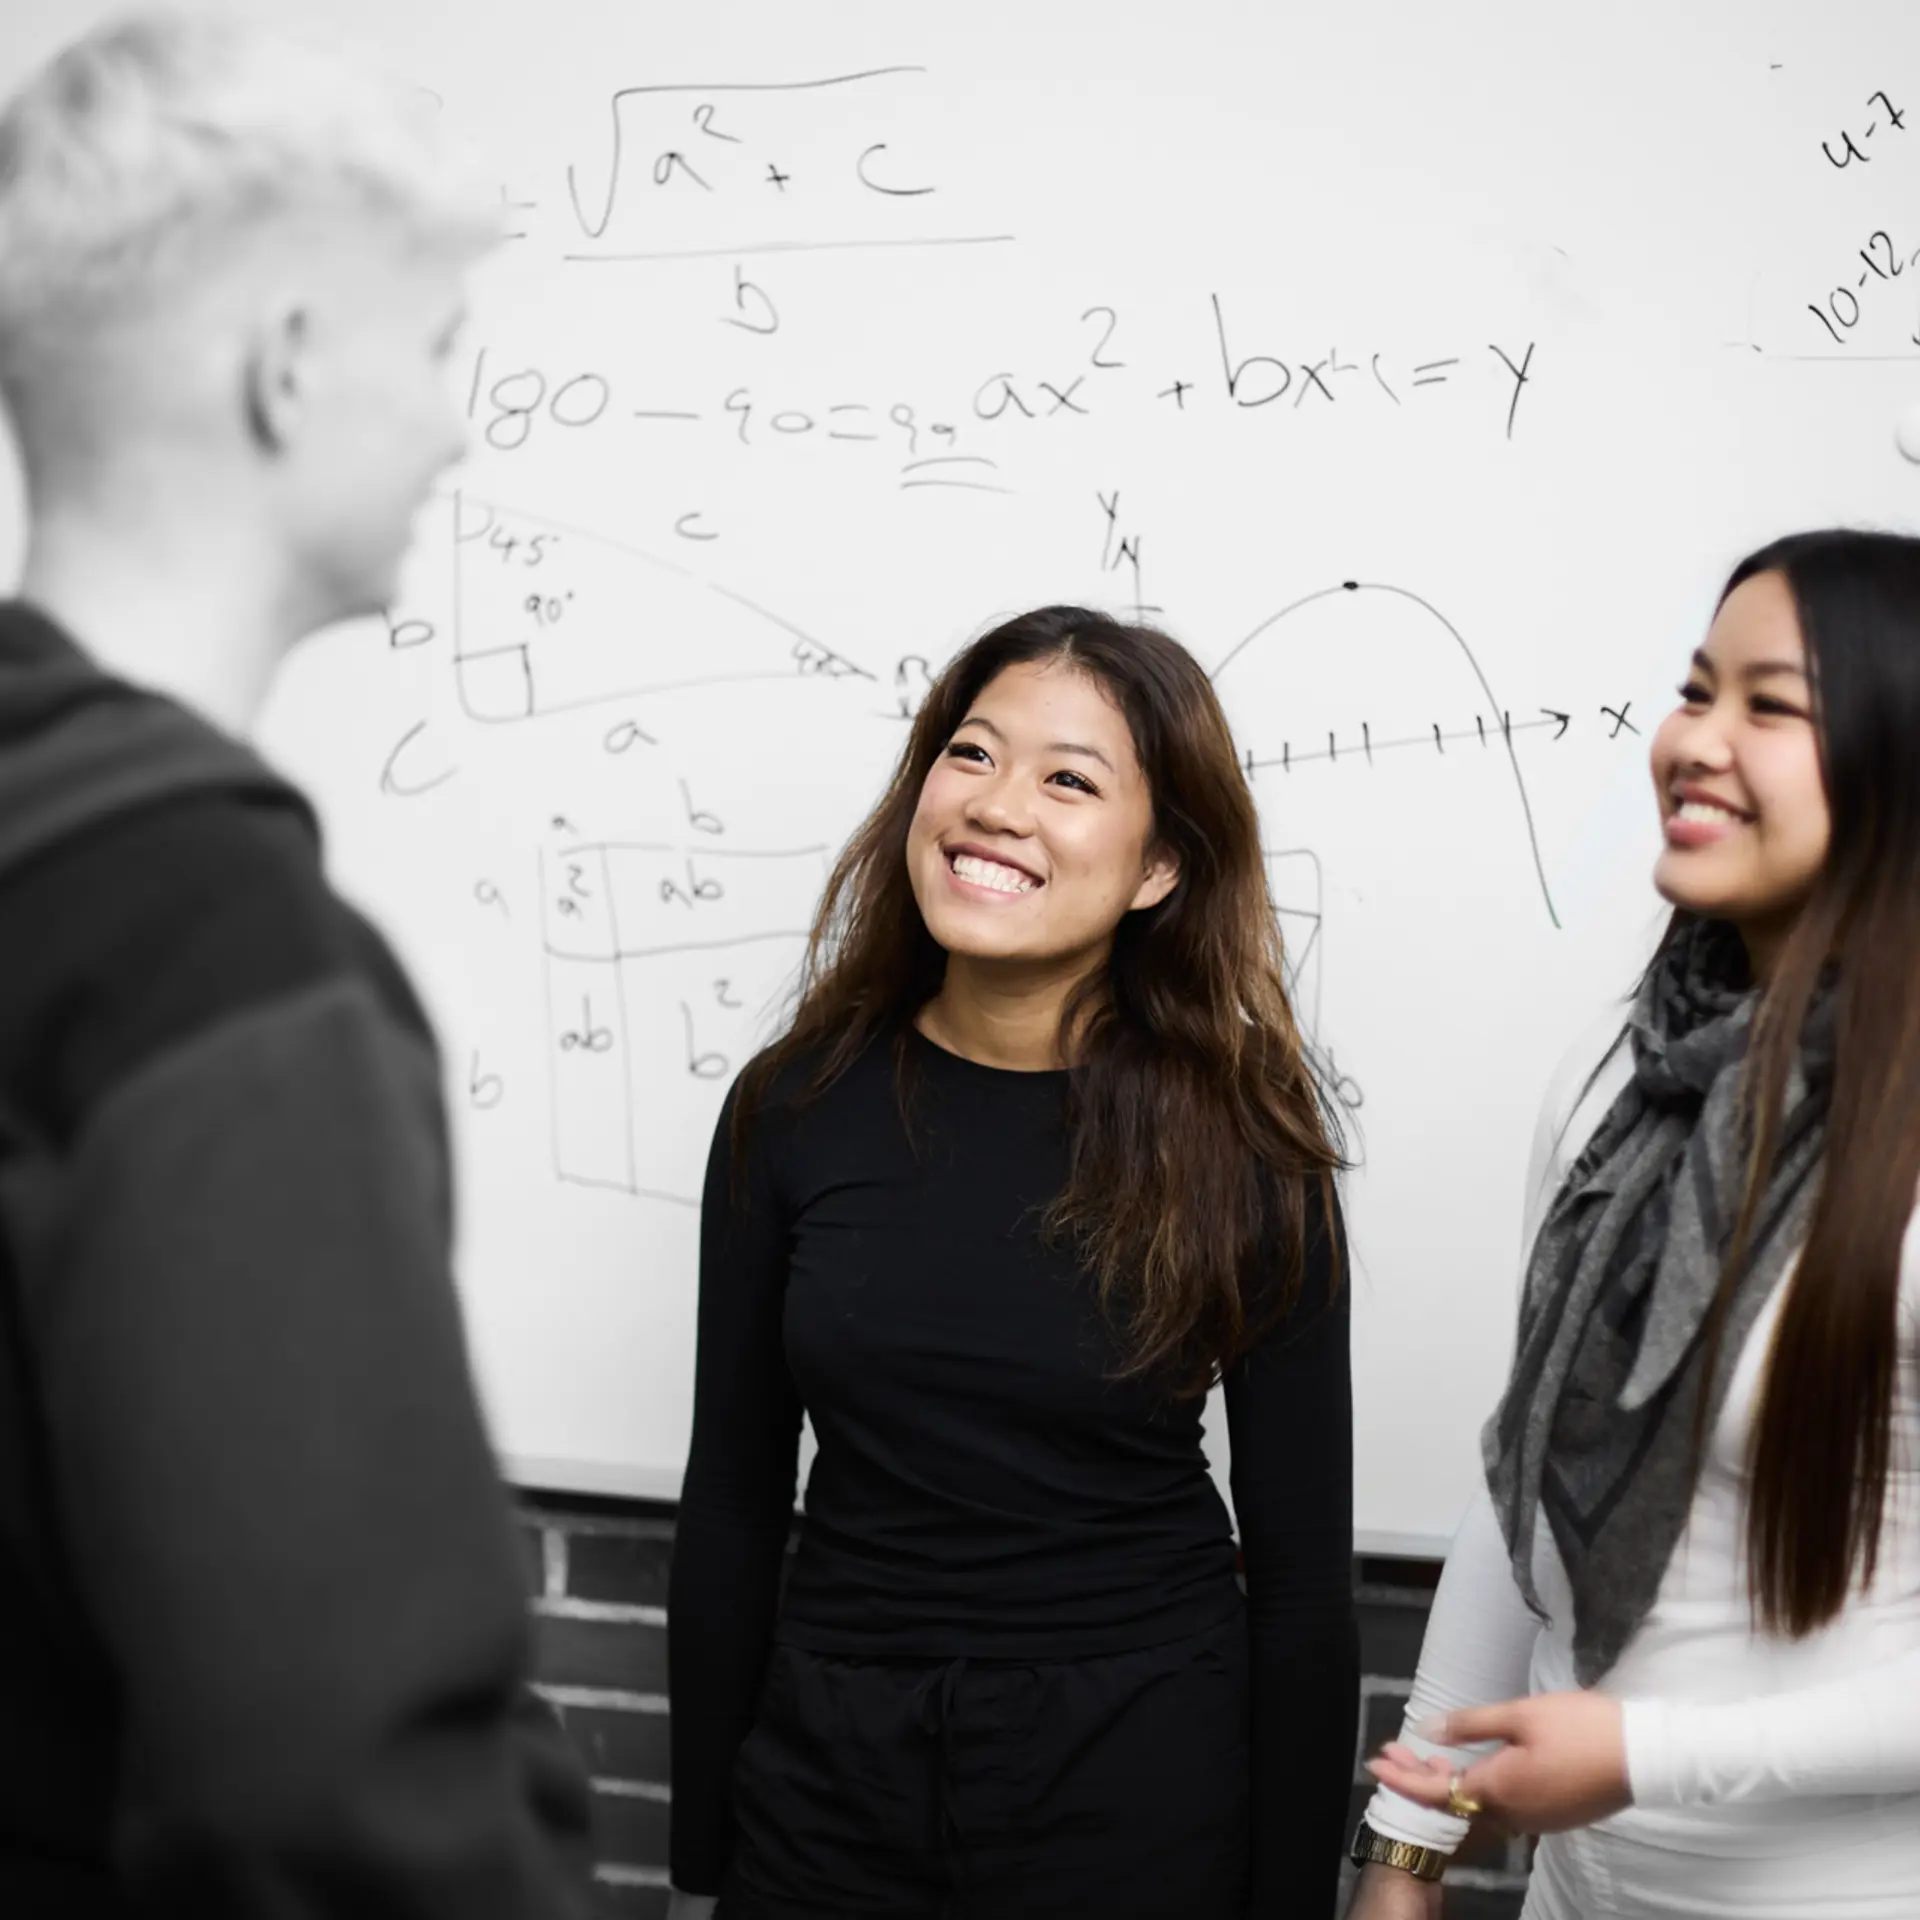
{"type": "Point", "coordinates": [266, 1642]}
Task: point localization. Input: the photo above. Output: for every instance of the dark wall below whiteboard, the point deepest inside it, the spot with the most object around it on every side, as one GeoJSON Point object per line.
{"type": "Point", "coordinates": [597, 1575]}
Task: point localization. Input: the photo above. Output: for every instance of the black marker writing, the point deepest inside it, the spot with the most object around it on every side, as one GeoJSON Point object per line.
{"type": "Point", "coordinates": [405, 634]}
{"type": "Point", "coordinates": [1520, 378]}
{"type": "Point", "coordinates": [393, 782]}
{"type": "Point", "coordinates": [1095, 358]}
{"type": "Point", "coordinates": [588, 1036]}
{"type": "Point", "coordinates": [1111, 508]}
{"type": "Point", "coordinates": [1235, 374]}
{"type": "Point", "coordinates": [703, 1066]}
{"type": "Point", "coordinates": [990, 405]}
{"type": "Point", "coordinates": [701, 821]}
{"type": "Point", "coordinates": [671, 164]}
{"type": "Point", "coordinates": [484, 1090]}
{"type": "Point", "coordinates": [878, 186]}
{"type": "Point", "coordinates": [757, 317]}
{"type": "Point", "coordinates": [703, 119]}
{"type": "Point", "coordinates": [627, 735]}
{"type": "Point", "coordinates": [595, 224]}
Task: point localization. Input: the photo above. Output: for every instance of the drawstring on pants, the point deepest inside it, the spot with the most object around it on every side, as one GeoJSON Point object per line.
{"type": "Point", "coordinates": [934, 1701]}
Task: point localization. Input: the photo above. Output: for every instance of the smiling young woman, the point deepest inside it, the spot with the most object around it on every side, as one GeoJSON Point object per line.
{"type": "Point", "coordinates": [1038, 1159]}
{"type": "Point", "coordinates": [1715, 1402]}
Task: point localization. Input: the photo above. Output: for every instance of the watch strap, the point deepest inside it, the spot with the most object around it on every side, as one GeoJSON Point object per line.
{"type": "Point", "coordinates": [1375, 1849]}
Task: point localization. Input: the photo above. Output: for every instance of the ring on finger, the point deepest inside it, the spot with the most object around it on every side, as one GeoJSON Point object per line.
{"type": "Point", "coordinates": [1463, 1806]}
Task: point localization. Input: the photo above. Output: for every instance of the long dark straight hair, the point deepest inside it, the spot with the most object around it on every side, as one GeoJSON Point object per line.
{"type": "Point", "coordinates": [1198, 1130]}
{"type": "Point", "coordinates": [1821, 1445]}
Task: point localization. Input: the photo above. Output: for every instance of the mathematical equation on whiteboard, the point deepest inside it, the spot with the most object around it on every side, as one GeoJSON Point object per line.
{"type": "Point", "coordinates": [661, 955]}
{"type": "Point", "coordinates": [747, 176]}
{"type": "Point", "coordinates": [509, 406]}
{"type": "Point", "coordinates": [664, 929]}
{"type": "Point", "coordinates": [658, 956]}
{"type": "Point", "coordinates": [1877, 280]}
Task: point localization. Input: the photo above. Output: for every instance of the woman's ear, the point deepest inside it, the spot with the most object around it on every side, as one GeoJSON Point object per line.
{"type": "Point", "coordinates": [1159, 880]}
{"type": "Point", "coordinates": [276, 375]}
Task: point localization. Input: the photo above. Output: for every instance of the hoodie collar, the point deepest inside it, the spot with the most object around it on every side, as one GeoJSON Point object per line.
{"type": "Point", "coordinates": [79, 746]}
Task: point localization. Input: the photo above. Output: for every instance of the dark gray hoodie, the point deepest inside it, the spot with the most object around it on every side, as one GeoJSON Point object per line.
{"type": "Point", "coordinates": [262, 1639]}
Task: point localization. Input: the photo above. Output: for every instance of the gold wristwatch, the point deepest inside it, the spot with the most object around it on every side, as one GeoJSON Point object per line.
{"type": "Point", "coordinates": [1375, 1849]}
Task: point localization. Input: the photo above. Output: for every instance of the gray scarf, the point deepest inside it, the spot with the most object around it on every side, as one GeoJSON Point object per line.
{"type": "Point", "coordinates": [1596, 1426]}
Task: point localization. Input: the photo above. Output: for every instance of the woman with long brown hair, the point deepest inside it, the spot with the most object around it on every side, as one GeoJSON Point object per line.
{"type": "Point", "coordinates": [1697, 1558]}
{"type": "Point", "coordinates": [1038, 1159]}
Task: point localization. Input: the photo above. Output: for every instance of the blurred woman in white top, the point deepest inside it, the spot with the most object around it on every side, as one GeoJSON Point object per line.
{"type": "Point", "coordinates": [1679, 1631]}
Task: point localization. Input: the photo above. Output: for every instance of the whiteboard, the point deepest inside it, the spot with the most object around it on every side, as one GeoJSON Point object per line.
{"type": "Point", "coordinates": [1423, 367]}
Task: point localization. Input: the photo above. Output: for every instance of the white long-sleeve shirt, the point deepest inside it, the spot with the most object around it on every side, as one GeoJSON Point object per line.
{"type": "Point", "coordinates": [1772, 1779]}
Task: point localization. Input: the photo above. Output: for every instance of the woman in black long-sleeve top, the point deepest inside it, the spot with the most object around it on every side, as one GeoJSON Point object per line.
{"type": "Point", "coordinates": [1039, 1157]}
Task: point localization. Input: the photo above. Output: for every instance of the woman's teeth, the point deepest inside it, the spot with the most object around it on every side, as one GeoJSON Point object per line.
{"type": "Point", "coordinates": [990, 873]}
{"type": "Point", "coordinates": [1705, 811]}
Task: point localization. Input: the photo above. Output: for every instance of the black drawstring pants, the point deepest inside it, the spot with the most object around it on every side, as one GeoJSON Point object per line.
{"type": "Point", "coordinates": [1113, 1787]}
